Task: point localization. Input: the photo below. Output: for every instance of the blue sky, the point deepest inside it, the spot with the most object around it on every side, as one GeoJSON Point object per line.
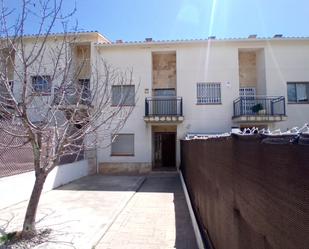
{"type": "Point", "coordinates": [187, 19]}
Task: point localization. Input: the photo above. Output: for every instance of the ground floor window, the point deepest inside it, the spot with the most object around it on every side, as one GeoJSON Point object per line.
{"type": "Point", "coordinates": [122, 145]}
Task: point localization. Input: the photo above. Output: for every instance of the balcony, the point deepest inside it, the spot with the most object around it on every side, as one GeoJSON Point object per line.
{"type": "Point", "coordinates": [69, 98]}
{"type": "Point", "coordinates": [163, 109]}
{"type": "Point", "coordinates": [259, 109]}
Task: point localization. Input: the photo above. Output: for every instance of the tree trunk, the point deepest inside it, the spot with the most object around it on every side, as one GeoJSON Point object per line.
{"type": "Point", "coordinates": [29, 221]}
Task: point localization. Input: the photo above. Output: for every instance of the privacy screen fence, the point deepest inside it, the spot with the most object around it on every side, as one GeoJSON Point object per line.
{"type": "Point", "coordinates": [14, 161]}
{"type": "Point", "coordinates": [19, 159]}
{"type": "Point", "coordinates": [250, 192]}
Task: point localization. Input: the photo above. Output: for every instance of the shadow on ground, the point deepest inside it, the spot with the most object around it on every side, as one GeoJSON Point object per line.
{"type": "Point", "coordinates": [156, 217]}
{"type": "Point", "coordinates": [79, 213]}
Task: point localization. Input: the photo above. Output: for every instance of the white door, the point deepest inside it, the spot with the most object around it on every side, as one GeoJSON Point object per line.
{"type": "Point", "coordinates": [249, 93]}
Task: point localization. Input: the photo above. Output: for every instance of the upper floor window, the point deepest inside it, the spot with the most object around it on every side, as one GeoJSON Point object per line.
{"type": "Point", "coordinates": [84, 85]}
{"type": "Point", "coordinates": [123, 95]}
{"type": "Point", "coordinates": [5, 94]}
{"type": "Point", "coordinates": [298, 92]}
{"type": "Point", "coordinates": [41, 84]}
{"type": "Point", "coordinates": [208, 93]}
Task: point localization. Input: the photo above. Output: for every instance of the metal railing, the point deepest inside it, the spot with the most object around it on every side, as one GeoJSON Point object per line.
{"type": "Point", "coordinates": [163, 106]}
{"type": "Point", "coordinates": [71, 97]}
{"type": "Point", "coordinates": [259, 106]}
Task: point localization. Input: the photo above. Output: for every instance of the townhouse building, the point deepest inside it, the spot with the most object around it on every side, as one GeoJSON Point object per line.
{"type": "Point", "coordinates": [197, 86]}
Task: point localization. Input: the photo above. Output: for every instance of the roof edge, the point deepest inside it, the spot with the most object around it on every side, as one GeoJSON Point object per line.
{"type": "Point", "coordinates": [83, 33]}
{"type": "Point", "coordinates": [192, 41]}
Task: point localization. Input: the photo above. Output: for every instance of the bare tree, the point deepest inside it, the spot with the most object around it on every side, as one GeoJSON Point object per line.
{"type": "Point", "coordinates": [45, 99]}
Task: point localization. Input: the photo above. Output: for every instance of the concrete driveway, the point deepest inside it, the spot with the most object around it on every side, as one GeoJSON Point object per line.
{"type": "Point", "coordinates": [110, 211]}
{"type": "Point", "coordinates": [79, 212]}
{"type": "Point", "coordinates": [156, 217]}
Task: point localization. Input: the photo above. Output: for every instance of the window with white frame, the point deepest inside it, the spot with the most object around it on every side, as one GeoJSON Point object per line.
{"type": "Point", "coordinates": [298, 92]}
{"type": "Point", "coordinates": [122, 145]}
{"type": "Point", "coordinates": [123, 95]}
{"type": "Point", "coordinates": [41, 84]}
{"type": "Point", "coordinates": [208, 93]}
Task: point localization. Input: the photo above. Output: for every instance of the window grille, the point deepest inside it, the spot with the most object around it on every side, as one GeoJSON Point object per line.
{"type": "Point", "coordinates": [208, 93]}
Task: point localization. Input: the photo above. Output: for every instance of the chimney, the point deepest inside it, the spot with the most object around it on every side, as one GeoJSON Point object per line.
{"type": "Point", "coordinates": [252, 36]}
{"type": "Point", "coordinates": [148, 39]}
{"type": "Point", "coordinates": [119, 41]}
{"type": "Point", "coordinates": [278, 36]}
{"type": "Point", "coordinates": [211, 37]}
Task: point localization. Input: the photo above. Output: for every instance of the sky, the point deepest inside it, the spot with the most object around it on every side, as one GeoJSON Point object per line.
{"type": "Point", "coordinates": [132, 20]}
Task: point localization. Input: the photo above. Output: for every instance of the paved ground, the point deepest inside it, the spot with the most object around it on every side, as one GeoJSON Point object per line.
{"type": "Point", "coordinates": [156, 217]}
{"type": "Point", "coordinates": [82, 212]}
{"type": "Point", "coordinates": [78, 212]}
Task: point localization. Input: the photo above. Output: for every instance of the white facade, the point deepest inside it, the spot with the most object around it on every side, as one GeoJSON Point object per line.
{"type": "Point", "coordinates": [278, 61]}
{"type": "Point", "coordinates": [266, 65]}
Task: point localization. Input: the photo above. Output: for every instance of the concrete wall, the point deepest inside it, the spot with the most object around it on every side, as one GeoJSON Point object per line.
{"type": "Point", "coordinates": [18, 188]}
{"type": "Point", "coordinates": [124, 168]}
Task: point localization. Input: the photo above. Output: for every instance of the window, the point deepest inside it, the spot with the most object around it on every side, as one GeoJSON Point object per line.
{"type": "Point", "coordinates": [165, 92]}
{"type": "Point", "coordinates": [41, 84]}
{"type": "Point", "coordinates": [122, 145]}
{"type": "Point", "coordinates": [123, 95]}
{"type": "Point", "coordinates": [208, 93]}
{"type": "Point", "coordinates": [298, 92]}
{"type": "Point", "coordinates": [84, 84]}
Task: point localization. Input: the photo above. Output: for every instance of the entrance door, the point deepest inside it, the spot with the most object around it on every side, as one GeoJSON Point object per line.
{"type": "Point", "coordinates": [249, 101]}
{"type": "Point", "coordinates": [165, 149]}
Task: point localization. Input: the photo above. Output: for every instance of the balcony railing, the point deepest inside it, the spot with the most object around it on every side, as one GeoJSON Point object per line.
{"type": "Point", "coordinates": [259, 106]}
{"type": "Point", "coordinates": [163, 106]}
{"type": "Point", "coordinates": [71, 97]}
